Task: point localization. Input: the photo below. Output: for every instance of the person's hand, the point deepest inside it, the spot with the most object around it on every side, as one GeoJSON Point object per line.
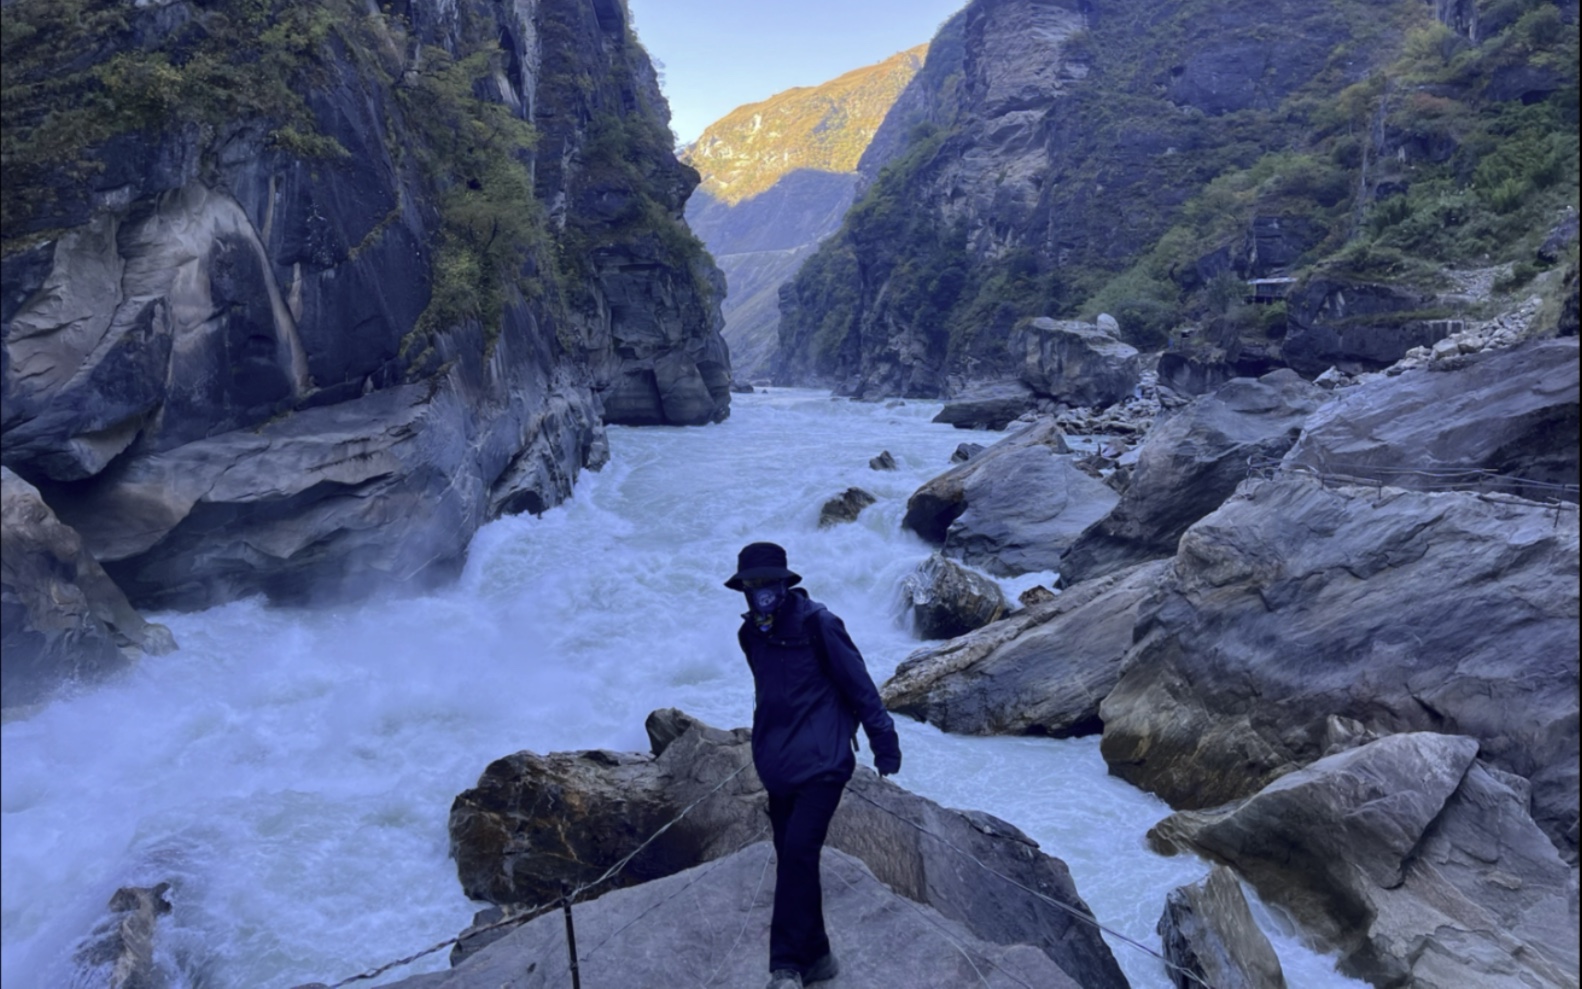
{"type": "Point", "coordinates": [888, 763]}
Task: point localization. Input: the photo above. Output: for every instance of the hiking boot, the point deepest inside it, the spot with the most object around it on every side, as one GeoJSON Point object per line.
{"type": "Point", "coordinates": [824, 969]}
{"type": "Point", "coordinates": [784, 978]}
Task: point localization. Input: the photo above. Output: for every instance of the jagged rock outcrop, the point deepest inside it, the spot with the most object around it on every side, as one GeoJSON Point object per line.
{"type": "Point", "coordinates": [1514, 412]}
{"type": "Point", "coordinates": [1042, 671]}
{"type": "Point", "coordinates": [1420, 864]}
{"type": "Point", "coordinates": [240, 352]}
{"type": "Point", "coordinates": [844, 507]}
{"type": "Point", "coordinates": [1012, 508]}
{"type": "Point", "coordinates": [534, 821]}
{"type": "Point", "coordinates": [778, 176]}
{"type": "Point", "coordinates": [63, 619]}
{"type": "Point", "coordinates": [120, 949]}
{"type": "Point", "coordinates": [947, 600]}
{"type": "Point", "coordinates": [1404, 611]}
{"type": "Point", "coordinates": [641, 936]}
{"type": "Point", "coordinates": [1188, 465]}
{"type": "Point", "coordinates": [1207, 931]}
{"type": "Point", "coordinates": [1076, 363]}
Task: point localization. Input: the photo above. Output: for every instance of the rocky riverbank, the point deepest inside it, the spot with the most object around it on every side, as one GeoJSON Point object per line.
{"type": "Point", "coordinates": [1352, 665]}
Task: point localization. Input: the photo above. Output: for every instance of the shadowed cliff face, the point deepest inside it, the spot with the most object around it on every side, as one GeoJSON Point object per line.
{"type": "Point", "coordinates": [1071, 157]}
{"type": "Point", "coordinates": [295, 299]}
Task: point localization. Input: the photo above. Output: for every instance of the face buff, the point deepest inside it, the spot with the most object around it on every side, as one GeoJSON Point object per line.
{"type": "Point", "coordinates": [764, 601]}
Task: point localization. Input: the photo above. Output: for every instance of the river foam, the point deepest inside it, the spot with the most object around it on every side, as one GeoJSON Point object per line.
{"type": "Point", "coordinates": [290, 771]}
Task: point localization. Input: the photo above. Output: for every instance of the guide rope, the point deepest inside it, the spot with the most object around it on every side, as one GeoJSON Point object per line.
{"type": "Point", "coordinates": [1448, 478]}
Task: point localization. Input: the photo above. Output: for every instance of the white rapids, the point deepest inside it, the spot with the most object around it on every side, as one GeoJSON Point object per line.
{"type": "Point", "coordinates": [291, 771]}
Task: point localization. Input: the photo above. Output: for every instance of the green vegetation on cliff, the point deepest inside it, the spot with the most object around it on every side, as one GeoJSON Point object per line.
{"type": "Point", "coordinates": [1190, 146]}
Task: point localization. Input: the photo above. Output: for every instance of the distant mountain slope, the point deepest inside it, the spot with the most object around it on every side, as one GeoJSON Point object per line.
{"type": "Point", "coordinates": [778, 176]}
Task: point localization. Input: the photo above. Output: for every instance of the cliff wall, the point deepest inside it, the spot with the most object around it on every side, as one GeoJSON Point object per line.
{"type": "Point", "coordinates": [1071, 157]}
{"type": "Point", "coordinates": [298, 295]}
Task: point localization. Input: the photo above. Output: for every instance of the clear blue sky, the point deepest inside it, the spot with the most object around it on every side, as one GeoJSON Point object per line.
{"type": "Point", "coordinates": [720, 54]}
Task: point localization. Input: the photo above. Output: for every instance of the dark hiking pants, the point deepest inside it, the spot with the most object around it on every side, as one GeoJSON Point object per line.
{"type": "Point", "coordinates": [801, 820]}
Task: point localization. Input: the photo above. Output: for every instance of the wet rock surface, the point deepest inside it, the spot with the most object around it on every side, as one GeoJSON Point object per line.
{"type": "Point", "coordinates": [120, 949]}
{"type": "Point", "coordinates": [1040, 671]}
{"type": "Point", "coordinates": [534, 821]}
{"type": "Point", "coordinates": [1403, 611]}
{"type": "Point", "coordinates": [1188, 465]}
{"type": "Point", "coordinates": [1208, 931]}
{"type": "Point", "coordinates": [947, 600]}
{"type": "Point", "coordinates": [1415, 860]}
{"type": "Point", "coordinates": [844, 507]}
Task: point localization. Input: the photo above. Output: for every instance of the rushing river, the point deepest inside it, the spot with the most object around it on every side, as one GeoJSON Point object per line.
{"type": "Point", "coordinates": [290, 772]}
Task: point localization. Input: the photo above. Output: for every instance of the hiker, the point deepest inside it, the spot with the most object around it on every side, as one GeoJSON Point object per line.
{"type": "Point", "coordinates": [811, 691]}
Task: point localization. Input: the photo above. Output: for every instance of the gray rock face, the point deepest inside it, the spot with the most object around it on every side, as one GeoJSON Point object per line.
{"type": "Point", "coordinates": [1356, 326]}
{"type": "Point", "coordinates": [534, 821]}
{"type": "Point", "coordinates": [1511, 411]}
{"type": "Point", "coordinates": [172, 324]}
{"type": "Point", "coordinates": [1013, 508]}
{"type": "Point", "coordinates": [1402, 611]}
{"type": "Point", "coordinates": [948, 600]}
{"type": "Point", "coordinates": [990, 406]}
{"type": "Point", "coordinates": [64, 618]}
{"type": "Point", "coordinates": [1208, 930]}
{"type": "Point", "coordinates": [1076, 363]}
{"type": "Point", "coordinates": [1042, 671]}
{"type": "Point", "coordinates": [1418, 863]}
{"type": "Point", "coordinates": [1188, 465]}
{"type": "Point", "coordinates": [709, 925]}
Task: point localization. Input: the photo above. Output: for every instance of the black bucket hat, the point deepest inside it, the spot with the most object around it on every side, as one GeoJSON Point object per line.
{"type": "Point", "coordinates": [761, 561]}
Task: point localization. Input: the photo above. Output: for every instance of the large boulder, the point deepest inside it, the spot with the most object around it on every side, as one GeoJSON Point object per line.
{"type": "Point", "coordinates": [993, 405]}
{"type": "Point", "coordinates": [64, 618]}
{"type": "Point", "coordinates": [1076, 363]}
{"type": "Point", "coordinates": [1209, 935]}
{"type": "Point", "coordinates": [1189, 465]}
{"type": "Point", "coordinates": [1042, 671]}
{"type": "Point", "coordinates": [1013, 508]}
{"type": "Point", "coordinates": [1404, 611]}
{"type": "Point", "coordinates": [708, 925]}
{"type": "Point", "coordinates": [1514, 412]}
{"type": "Point", "coordinates": [536, 821]}
{"type": "Point", "coordinates": [1419, 864]}
{"type": "Point", "coordinates": [947, 600]}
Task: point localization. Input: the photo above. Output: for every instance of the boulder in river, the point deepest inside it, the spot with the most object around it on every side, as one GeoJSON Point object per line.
{"type": "Point", "coordinates": [533, 821]}
{"type": "Point", "coordinates": [64, 618]}
{"type": "Point", "coordinates": [1076, 363]}
{"type": "Point", "coordinates": [1013, 508]}
{"type": "Point", "coordinates": [121, 946]}
{"type": "Point", "coordinates": [1208, 932]}
{"type": "Point", "coordinates": [1513, 412]}
{"type": "Point", "coordinates": [844, 507]}
{"type": "Point", "coordinates": [1399, 610]}
{"type": "Point", "coordinates": [1189, 465]}
{"type": "Point", "coordinates": [947, 599]}
{"type": "Point", "coordinates": [965, 452]}
{"type": "Point", "coordinates": [1417, 862]}
{"type": "Point", "coordinates": [1041, 671]}
{"type": "Point", "coordinates": [708, 925]}
{"type": "Point", "coordinates": [884, 461]}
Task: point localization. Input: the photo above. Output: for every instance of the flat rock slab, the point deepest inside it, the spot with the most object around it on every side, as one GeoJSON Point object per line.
{"type": "Point", "coordinates": [1043, 671]}
{"type": "Point", "coordinates": [709, 926]}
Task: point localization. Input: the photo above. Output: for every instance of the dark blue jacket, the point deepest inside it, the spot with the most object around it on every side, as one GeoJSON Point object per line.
{"type": "Point", "coordinates": [812, 689]}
